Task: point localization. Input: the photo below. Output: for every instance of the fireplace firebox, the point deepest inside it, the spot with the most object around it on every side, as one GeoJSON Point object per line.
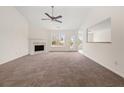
{"type": "Point", "coordinates": [39, 48]}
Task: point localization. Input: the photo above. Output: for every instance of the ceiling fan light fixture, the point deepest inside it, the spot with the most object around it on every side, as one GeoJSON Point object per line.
{"type": "Point", "coordinates": [52, 17]}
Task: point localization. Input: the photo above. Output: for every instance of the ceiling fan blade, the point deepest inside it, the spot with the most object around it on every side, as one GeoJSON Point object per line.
{"type": "Point", "coordinates": [45, 19]}
{"type": "Point", "coordinates": [58, 17]}
{"type": "Point", "coordinates": [58, 21]}
{"type": "Point", "coordinates": [49, 15]}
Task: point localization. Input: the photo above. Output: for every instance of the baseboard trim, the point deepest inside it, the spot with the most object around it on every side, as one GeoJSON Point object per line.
{"type": "Point", "coordinates": [119, 74]}
{"type": "Point", "coordinates": [13, 59]}
{"type": "Point", "coordinates": [64, 51]}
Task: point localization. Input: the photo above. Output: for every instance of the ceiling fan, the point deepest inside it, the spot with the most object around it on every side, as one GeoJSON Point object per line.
{"type": "Point", "coordinates": [52, 17]}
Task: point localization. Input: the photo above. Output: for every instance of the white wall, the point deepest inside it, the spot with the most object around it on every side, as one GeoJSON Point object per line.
{"type": "Point", "coordinates": [13, 34]}
{"type": "Point", "coordinates": [110, 55]}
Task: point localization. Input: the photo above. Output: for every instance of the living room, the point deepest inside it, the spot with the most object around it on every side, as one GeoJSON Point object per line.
{"type": "Point", "coordinates": [54, 46]}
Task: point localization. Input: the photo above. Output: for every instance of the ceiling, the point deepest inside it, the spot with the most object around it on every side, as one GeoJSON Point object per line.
{"type": "Point", "coordinates": [72, 16]}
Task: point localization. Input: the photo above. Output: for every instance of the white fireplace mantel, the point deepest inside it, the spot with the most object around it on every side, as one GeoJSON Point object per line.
{"type": "Point", "coordinates": [33, 42]}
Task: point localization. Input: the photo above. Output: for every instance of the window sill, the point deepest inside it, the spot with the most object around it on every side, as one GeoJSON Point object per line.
{"type": "Point", "coordinates": [57, 46]}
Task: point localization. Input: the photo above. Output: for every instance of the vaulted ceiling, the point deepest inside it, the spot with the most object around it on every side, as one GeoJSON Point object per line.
{"type": "Point", "coordinates": [72, 16]}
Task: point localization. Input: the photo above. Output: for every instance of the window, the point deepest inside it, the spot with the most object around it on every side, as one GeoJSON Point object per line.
{"type": "Point", "coordinates": [80, 39]}
{"type": "Point", "coordinates": [58, 40]}
{"type": "Point", "coordinates": [74, 42]}
{"type": "Point", "coordinates": [71, 41]}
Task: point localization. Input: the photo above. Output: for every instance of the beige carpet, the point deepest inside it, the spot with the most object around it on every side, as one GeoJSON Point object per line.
{"type": "Point", "coordinates": [57, 69]}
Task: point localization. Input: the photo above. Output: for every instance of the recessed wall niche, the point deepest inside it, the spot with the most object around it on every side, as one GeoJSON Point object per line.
{"type": "Point", "coordinates": [100, 32]}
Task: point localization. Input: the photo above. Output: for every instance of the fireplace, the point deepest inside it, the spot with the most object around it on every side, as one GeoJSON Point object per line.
{"type": "Point", "coordinates": [39, 48]}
